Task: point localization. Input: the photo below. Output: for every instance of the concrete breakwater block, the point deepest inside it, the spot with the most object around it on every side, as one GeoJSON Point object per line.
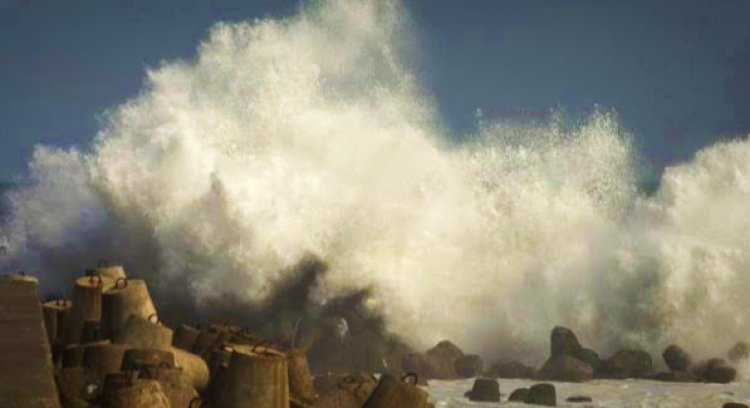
{"type": "Point", "coordinates": [26, 369]}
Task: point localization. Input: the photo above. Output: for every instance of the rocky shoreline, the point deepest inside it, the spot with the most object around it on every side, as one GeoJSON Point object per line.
{"type": "Point", "coordinates": [110, 349]}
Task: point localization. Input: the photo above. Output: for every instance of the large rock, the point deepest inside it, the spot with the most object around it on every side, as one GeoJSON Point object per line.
{"type": "Point", "coordinates": [715, 370]}
{"type": "Point", "coordinates": [734, 405]}
{"type": "Point", "coordinates": [591, 358]}
{"type": "Point", "coordinates": [628, 363]}
{"type": "Point", "coordinates": [566, 368]}
{"type": "Point", "coordinates": [446, 350]}
{"type": "Point", "coordinates": [512, 369]}
{"type": "Point", "coordinates": [739, 351]}
{"type": "Point", "coordinates": [484, 390]}
{"type": "Point", "coordinates": [437, 363]}
{"type": "Point", "coordinates": [394, 356]}
{"type": "Point", "coordinates": [519, 395]}
{"type": "Point", "coordinates": [469, 366]}
{"type": "Point", "coordinates": [429, 366]}
{"type": "Point", "coordinates": [676, 358]}
{"type": "Point", "coordinates": [542, 394]}
{"type": "Point", "coordinates": [564, 341]}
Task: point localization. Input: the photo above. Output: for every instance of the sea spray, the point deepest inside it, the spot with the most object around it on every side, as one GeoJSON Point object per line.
{"type": "Point", "coordinates": [310, 137]}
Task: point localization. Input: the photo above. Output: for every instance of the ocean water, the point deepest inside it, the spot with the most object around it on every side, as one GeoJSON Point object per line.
{"type": "Point", "coordinates": [604, 393]}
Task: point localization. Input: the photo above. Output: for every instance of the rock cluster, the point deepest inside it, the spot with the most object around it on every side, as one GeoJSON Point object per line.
{"type": "Point", "coordinates": [512, 369]}
{"type": "Point", "coordinates": [110, 349]}
{"type": "Point", "coordinates": [682, 368]}
{"type": "Point", "coordinates": [538, 394]}
{"type": "Point", "coordinates": [445, 361]}
{"type": "Point", "coordinates": [628, 363]}
{"type": "Point", "coordinates": [569, 361]}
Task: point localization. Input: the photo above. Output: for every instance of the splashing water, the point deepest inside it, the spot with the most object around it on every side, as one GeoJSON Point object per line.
{"type": "Point", "coordinates": [310, 135]}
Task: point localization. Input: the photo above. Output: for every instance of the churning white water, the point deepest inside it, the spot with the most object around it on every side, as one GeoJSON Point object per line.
{"type": "Point", "coordinates": [603, 394]}
{"type": "Point", "coordinates": [311, 135]}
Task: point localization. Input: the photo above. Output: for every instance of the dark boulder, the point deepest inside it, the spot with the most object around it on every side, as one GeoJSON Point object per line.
{"type": "Point", "coordinates": [591, 358]}
{"type": "Point", "coordinates": [566, 368]}
{"type": "Point", "coordinates": [446, 350]}
{"type": "Point", "coordinates": [513, 369]}
{"type": "Point", "coordinates": [484, 390]}
{"type": "Point", "coordinates": [734, 405]}
{"type": "Point", "coordinates": [715, 370]}
{"type": "Point", "coordinates": [469, 366]}
{"type": "Point", "coordinates": [578, 398]}
{"type": "Point", "coordinates": [542, 394]}
{"type": "Point", "coordinates": [437, 363]}
{"type": "Point", "coordinates": [564, 341]}
{"type": "Point", "coordinates": [519, 395]}
{"type": "Point", "coordinates": [628, 363]}
{"type": "Point", "coordinates": [739, 351]}
{"type": "Point", "coordinates": [394, 356]}
{"type": "Point", "coordinates": [676, 358]}
{"type": "Point", "coordinates": [429, 366]}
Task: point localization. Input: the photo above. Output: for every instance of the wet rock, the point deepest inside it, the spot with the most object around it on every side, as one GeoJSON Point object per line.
{"type": "Point", "coordinates": [513, 369]}
{"type": "Point", "coordinates": [484, 390]}
{"type": "Point", "coordinates": [469, 366]}
{"type": "Point", "coordinates": [436, 363]}
{"type": "Point", "coordinates": [566, 368]}
{"type": "Point", "coordinates": [578, 398]}
{"type": "Point", "coordinates": [394, 355]}
{"type": "Point", "coordinates": [591, 358]}
{"type": "Point", "coordinates": [429, 366]}
{"type": "Point", "coordinates": [446, 350]}
{"type": "Point", "coordinates": [564, 342]}
{"type": "Point", "coordinates": [715, 370]}
{"type": "Point", "coordinates": [628, 363]}
{"type": "Point", "coordinates": [519, 395]}
{"type": "Point", "coordinates": [676, 358]}
{"type": "Point", "coordinates": [739, 351]}
{"type": "Point", "coordinates": [542, 394]}
{"type": "Point", "coordinates": [367, 352]}
{"type": "Point", "coordinates": [675, 376]}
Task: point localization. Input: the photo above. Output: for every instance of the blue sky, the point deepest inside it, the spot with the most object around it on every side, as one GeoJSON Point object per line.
{"type": "Point", "coordinates": [677, 72]}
